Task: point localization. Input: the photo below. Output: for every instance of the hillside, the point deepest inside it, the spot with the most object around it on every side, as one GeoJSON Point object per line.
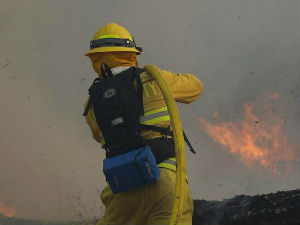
{"type": "Point", "coordinates": [281, 208]}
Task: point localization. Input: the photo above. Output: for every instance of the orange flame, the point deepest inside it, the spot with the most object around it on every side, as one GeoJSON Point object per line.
{"type": "Point", "coordinates": [6, 211]}
{"type": "Point", "coordinates": [255, 141]}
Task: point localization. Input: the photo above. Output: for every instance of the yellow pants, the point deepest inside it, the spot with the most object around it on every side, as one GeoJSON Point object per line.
{"type": "Point", "coordinates": [149, 205]}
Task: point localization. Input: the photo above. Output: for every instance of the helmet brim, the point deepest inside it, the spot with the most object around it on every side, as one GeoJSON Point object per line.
{"type": "Point", "coordinates": [112, 49]}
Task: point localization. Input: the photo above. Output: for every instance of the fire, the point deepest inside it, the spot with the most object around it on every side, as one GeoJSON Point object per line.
{"type": "Point", "coordinates": [5, 210]}
{"type": "Point", "coordinates": [256, 141]}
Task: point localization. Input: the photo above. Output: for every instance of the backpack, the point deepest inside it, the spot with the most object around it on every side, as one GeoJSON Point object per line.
{"type": "Point", "coordinates": [118, 105]}
{"type": "Point", "coordinates": [130, 162]}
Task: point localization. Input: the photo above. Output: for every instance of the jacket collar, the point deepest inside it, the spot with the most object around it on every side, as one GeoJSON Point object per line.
{"type": "Point", "coordinates": [119, 69]}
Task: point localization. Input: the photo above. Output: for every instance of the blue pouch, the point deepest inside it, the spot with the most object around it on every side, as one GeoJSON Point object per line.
{"type": "Point", "coordinates": [131, 170]}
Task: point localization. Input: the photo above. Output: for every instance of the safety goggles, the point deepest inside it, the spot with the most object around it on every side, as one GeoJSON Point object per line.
{"type": "Point", "coordinates": [105, 42]}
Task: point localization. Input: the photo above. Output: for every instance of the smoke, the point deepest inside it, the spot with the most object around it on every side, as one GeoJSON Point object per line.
{"type": "Point", "coordinates": [50, 168]}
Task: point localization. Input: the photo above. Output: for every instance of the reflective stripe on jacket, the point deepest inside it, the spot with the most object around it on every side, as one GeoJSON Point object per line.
{"type": "Point", "coordinates": [169, 163]}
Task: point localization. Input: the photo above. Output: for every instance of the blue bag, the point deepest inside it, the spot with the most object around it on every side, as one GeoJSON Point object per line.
{"type": "Point", "coordinates": [131, 170]}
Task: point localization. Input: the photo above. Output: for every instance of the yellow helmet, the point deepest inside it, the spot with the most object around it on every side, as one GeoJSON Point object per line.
{"type": "Point", "coordinates": [113, 38]}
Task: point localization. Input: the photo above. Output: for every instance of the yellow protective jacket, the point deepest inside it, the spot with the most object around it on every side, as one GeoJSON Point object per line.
{"type": "Point", "coordinates": [186, 88]}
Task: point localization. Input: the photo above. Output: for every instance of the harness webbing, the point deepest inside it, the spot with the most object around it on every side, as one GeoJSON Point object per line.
{"type": "Point", "coordinates": [165, 131]}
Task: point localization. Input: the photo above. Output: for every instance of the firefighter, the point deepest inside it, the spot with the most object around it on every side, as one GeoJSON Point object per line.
{"type": "Point", "coordinates": [151, 204]}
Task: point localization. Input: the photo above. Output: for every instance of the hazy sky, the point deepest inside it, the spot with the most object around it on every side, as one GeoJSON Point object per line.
{"type": "Point", "coordinates": [50, 167]}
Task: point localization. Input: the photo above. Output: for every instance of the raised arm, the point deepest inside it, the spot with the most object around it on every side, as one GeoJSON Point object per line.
{"type": "Point", "coordinates": [186, 88]}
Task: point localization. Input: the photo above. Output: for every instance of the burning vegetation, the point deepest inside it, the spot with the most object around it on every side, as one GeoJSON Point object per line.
{"type": "Point", "coordinates": [255, 140]}
{"type": "Point", "coordinates": [6, 210]}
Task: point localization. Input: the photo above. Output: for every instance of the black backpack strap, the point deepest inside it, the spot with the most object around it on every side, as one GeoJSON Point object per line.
{"type": "Point", "coordinates": [106, 71]}
{"type": "Point", "coordinates": [89, 101]}
{"type": "Point", "coordinates": [87, 108]}
{"type": "Point", "coordinates": [165, 131]}
{"type": "Point", "coordinates": [188, 143]}
{"type": "Point", "coordinates": [139, 70]}
{"type": "Point", "coordinates": [139, 89]}
{"type": "Point", "coordinates": [103, 72]}
{"type": "Point", "coordinates": [95, 81]}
